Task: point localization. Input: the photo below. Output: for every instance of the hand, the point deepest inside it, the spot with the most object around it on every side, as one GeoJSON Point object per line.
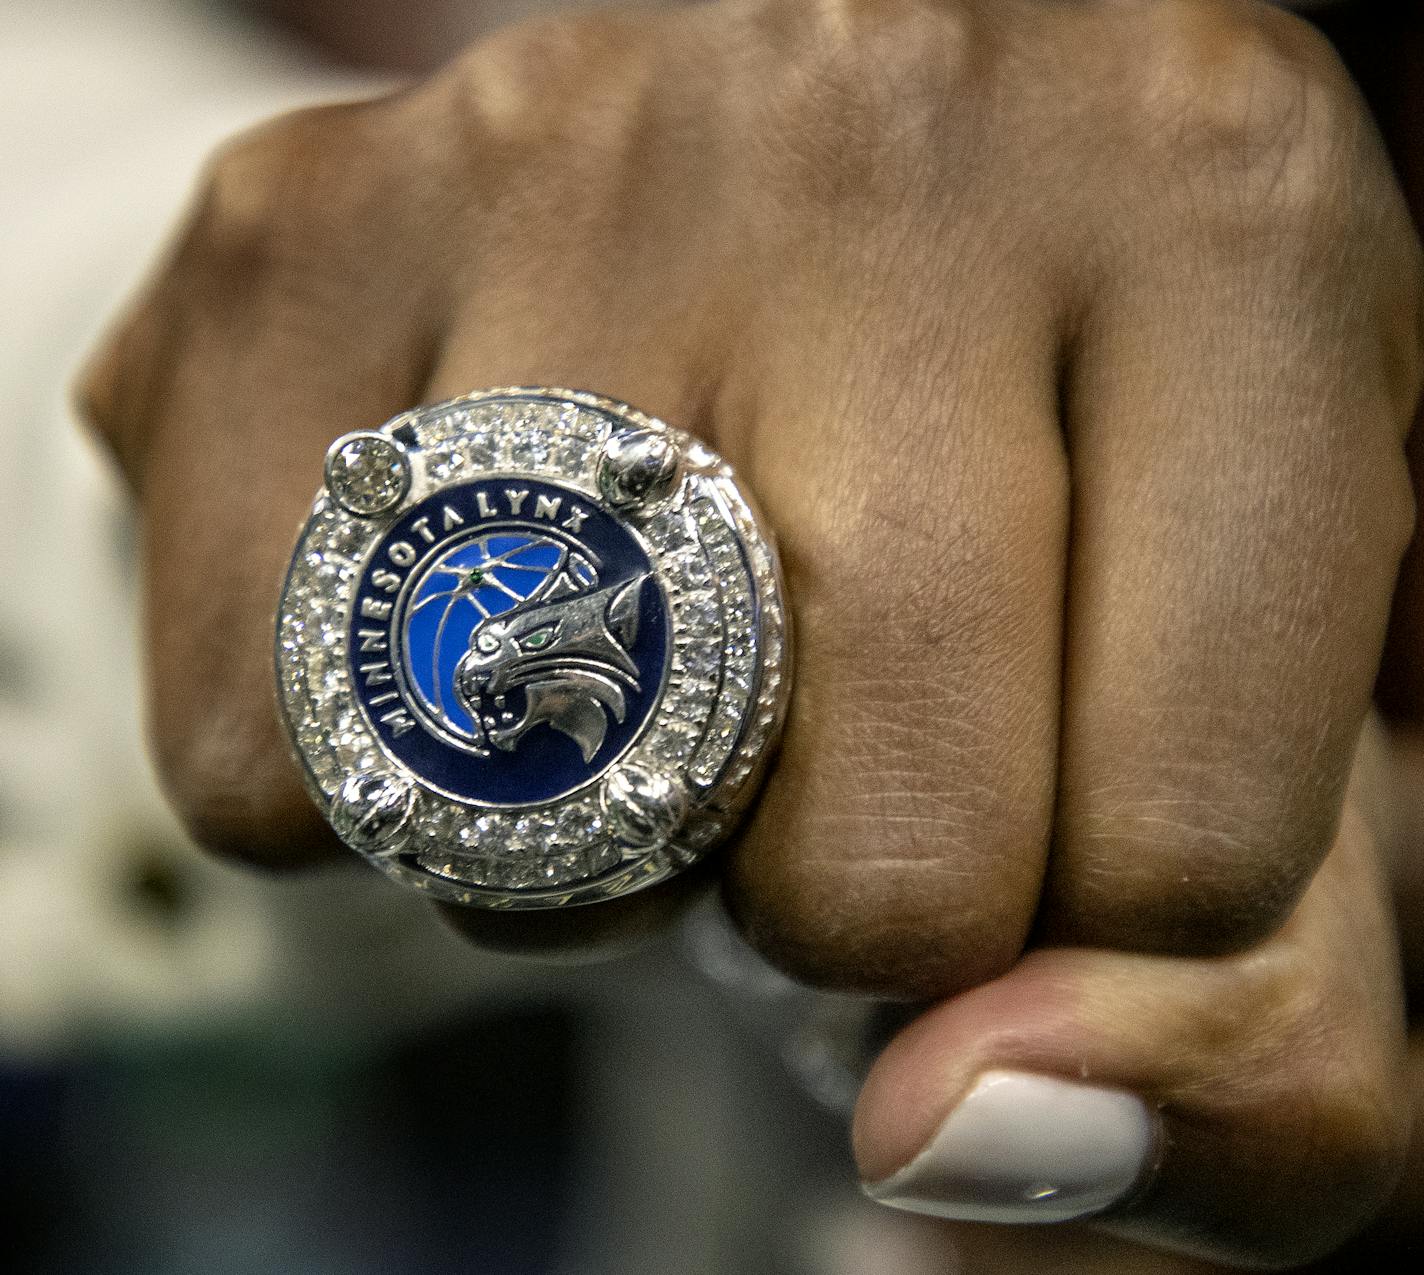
{"type": "Point", "coordinates": [1070, 349]}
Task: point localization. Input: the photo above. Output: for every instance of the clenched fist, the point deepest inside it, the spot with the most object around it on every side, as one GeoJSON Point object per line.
{"type": "Point", "coordinates": [1071, 350]}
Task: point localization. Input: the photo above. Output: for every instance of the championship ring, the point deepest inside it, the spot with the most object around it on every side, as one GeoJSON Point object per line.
{"type": "Point", "coordinates": [532, 648]}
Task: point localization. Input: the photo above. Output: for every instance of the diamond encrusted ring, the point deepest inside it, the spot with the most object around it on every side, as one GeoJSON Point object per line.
{"type": "Point", "coordinates": [532, 649]}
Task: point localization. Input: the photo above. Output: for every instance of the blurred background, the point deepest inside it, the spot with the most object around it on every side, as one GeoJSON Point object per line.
{"type": "Point", "coordinates": [206, 1070]}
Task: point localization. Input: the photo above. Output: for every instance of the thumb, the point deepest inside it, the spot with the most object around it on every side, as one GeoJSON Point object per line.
{"type": "Point", "coordinates": [1247, 1109]}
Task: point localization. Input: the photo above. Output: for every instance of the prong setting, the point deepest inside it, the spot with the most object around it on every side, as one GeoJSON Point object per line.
{"type": "Point", "coordinates": [372, 812]}
{"type": "Point", "coordinates": [645, 807]}
{"type": "Point", "coordinates": [638, 468]}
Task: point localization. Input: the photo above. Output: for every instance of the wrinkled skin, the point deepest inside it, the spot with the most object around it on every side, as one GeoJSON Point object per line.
{"type": "Point", "coordinates": [1071, 350]}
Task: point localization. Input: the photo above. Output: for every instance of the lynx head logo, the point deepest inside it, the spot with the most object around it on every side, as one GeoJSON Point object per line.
{"type": "Point", "coordinates": [570, 658]}
{"type": "Point", "coordinates": [509, 642]}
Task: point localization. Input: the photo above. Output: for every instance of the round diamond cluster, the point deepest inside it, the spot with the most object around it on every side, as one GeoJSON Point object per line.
{"type": "Point", "coordinates": [725, 682]}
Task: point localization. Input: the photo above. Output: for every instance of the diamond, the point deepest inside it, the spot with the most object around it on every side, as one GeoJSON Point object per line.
{"type": "Point", "coordinates": [530, 450]}
{"type": "Point", "coordinates": [441, 465]}
{"type": "Point", "coordinates": [367, 473]}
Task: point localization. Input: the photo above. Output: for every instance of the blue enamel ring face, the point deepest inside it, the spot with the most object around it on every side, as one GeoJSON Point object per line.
{"type": "Point", "coordinates": [508, 641]}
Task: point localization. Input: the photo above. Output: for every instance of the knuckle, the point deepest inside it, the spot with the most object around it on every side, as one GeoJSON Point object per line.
{"type": "Point", "coordinates": [1251, 108]}
{"type": "Point", "coordinates": [901, 54]}
{"type": "Point", "coordinates": [823, 47]}
{"type": "Point", "coordinates": [296, 203]}
{"type": "Point", "coordinates": [562, 88]}
{"type": "Point", "coordinates": [278, 189]}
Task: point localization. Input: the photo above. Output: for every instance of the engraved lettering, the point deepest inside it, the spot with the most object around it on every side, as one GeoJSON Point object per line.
{"type": "Point", "coordinates": [376, 673]}
{"type": "Point", "coordinates": [372, 640]}
{"type": "Point", "coordinates": [487, 510]}
{"type": "Point", "coordinates": [547, 507]}
{"type": "Point", "coordinates": [386, 581]}
{"type": "Point", "coordinates": [421, 527]}
{"type": "Point", "coordinates": [401, 553]}
{"type": "Point", "coordinates": [516, 500]}
{"type": "Point", "coordinates": [575, 519]}
{"type": "Point", "coordinates": [452, 519]}
{"type": "Point", "coordinates": [399, 721]}
{"type": "Point", "coordinates": [383, 699]}
{"type": "Point", "coordinates": [373, 610]}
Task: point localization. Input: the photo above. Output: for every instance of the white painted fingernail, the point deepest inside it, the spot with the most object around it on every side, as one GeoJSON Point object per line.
{"type": "Point", "coordinates": [1027, 1148]}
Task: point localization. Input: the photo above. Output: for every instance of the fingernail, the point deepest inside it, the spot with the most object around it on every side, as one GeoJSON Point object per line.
{"type": "Point", "coordinates": [1026, 1148]}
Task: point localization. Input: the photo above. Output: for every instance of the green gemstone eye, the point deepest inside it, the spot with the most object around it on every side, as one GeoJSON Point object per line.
{"type": "Point", "coordinates": [537, 640]}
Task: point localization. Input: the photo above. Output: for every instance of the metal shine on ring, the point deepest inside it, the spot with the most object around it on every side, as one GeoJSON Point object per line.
{"type": "Point", "coordinates": [532, 648]}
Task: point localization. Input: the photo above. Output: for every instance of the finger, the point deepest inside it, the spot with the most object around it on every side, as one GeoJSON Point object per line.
{"type": "Point", "coordinates": [277, 324]}
{"type": "Point", "coordinates": [1246, 1109]}
{"type": "Point", "coordinates": [912, 468]}
{"type": "Point", "coordinates": [919, 492]}
{"type": "Point", "coordinates": [1238, 403]}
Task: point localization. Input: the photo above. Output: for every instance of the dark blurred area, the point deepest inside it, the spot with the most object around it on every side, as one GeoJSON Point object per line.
{"type": "Point", "coordinates": [226, 1152]}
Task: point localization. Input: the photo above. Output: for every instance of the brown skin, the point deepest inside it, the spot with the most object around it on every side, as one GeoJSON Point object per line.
{"type": "Point", "coordinates": [1275, 1073]}
{"type": "Point", "coordinates": [1071, 350]}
